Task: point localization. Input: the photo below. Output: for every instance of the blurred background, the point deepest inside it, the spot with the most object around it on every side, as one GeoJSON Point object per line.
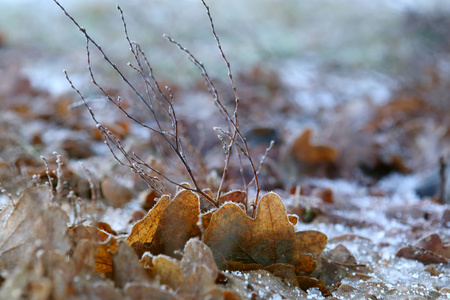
{"type": "Point", "coordinates": [369, 78]}
{"type": "Point", "coordinates": [397, 38]}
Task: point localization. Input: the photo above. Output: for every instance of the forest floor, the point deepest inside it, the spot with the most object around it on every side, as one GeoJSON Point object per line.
{"type": "Point", "coordinates": [358, 156]}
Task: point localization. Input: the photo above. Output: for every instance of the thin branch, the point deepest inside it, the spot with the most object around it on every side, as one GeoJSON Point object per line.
{"type": "Point", "coordinates": [166, 135]}
{"type": "Point", "coordinates": [443, 176]}
{"type": "Point", "coordinates": [263, 158]}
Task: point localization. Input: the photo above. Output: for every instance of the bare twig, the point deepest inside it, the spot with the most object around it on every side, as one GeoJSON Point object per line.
{"type": "Point", "coordinates": [443, 176]}
{"type": "Point", "coordinates": [59, 177]}
{"type": "Point", "coordinates": [234, 132]}
{"type": "Point", "coordinates": [168, 107]}
{"type": "Point", "coordinates": [50, 179]}
{"type": "Point", "coordinates": [160, 106]}
{"type": "Point", "coordinates": [263, 158]}
{"type": "Point", "coordinates": [236, 110]}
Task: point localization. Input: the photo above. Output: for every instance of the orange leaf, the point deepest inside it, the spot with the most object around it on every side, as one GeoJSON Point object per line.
{"type": "Point", "coordinates": [177, 225]}
{"type": "Point", "coordinates": [144, 230]}
{"type": "Point", "coordinates": [304, 263]}
{"type": "Point", "coordinates": [106, 244]}
{"type": "Point", "coordinates": [265, 240]}
{"type": "Point", "coordinates": [310, 242]}
{"type": "Point", "coordinates": [169, 271]}
{"type": "Point", "coordinates": [306, 153]}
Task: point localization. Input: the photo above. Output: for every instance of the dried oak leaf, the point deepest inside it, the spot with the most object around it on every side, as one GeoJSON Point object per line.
{"type": "Point", "coordinates": [304, 263]}
{"type": "Point", "coordinates": [206, 219]}
{"type": "Point", "coordinates": [193, 277]}
{"type": "Point", "coordinates": [310, 241]}
{"type": "Point", "coordinates": [341, 255]}
{"type": "Point", "coordinates": [127, 268]}
{"type": "Point", "coordinates": [285, 272]}
{"type": "Point", "coordinates": [240, 266]}
{"type": "Point", "coordinates": [233, 196]}
{"type": "Point", "coordinates": [168, 270]}
{"type": "Point", "coordinates": [144, 230]}
{"type": "Point", "coordinates": [306, 283]}
{"type": "Point", "coordinates": [105, 245]}
{"type": "Point", "coordinates": [424, 256]}
{"type": "Point", "coordinates": [198, 253]}
{"type": "Point", "coordinates": [265, 240]}
{"type": "Point", "coordinates": [434, 244]}
{"type": "Point", "coordinates": [293, 219]}
{"type": "Point", "coordinates": [49, 275]}
{"type": "Point", "coordinates": [429, 250]}
{"type": "Point", "coordinates": [148, 199]}
{"type": "Point", "coordinates": [115, 193]}
{"type": "Point", "coordinates": [29, 224]}
{"type": "Point", "coordinates": [337, 264]}
{"type": "Point", "coordinates": [200, 272]}
{"type": "Point", "coordinates": [268, 239]}
{"type": "Point", "coordinates": [304, 152]}
{"type": "Point", "coordinates": [178, 223]}
{"type": "Point", "coordinates": [106, 227]}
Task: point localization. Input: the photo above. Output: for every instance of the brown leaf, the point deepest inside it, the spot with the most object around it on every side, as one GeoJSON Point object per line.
{"type": "Point", "coordinates": [424, 256]}
{"type": "Point", "coordinates": [429, 250]}
{"type": "Point", "coordinates": [83, 256]}
{"type": "Point", "coordinates": [200, 272]}
{"type": "Point", "coordinates": [144, 230]}
{"type": "Point", "coordinates": [340, 254]}
{"type": "Point", "coordinates": [105, 245]}
{"type": "Point", "coordinates": [193, 277]}
{"type": "Point", "coordinates": [127, 268]}
{"type": "Point", "coordinates": [106, 227]}
{"type": "Point", "coordinates": [205, 204]}
{"type": "Point", "coordinates": [337, 264]}
{"type": "Point", "coordinates": [285, 272]}
{"type": "Point", "coordinates": [325, 194]}
{"type": "Point", "coordinates": [310, 242]}
{"type": "Point", "coordinates": [206, 219]}
{"type": "Point", "coordinates": [197, 253]}
{"type": "Point", "coordinates": [140, 248]}
{"type": "Point", "coordinates": [265, 240]}
{"type": "Point", "coordinates": [115, 193]}
{"type": "Point", "coordinates": [200, 286]}
{"type": "Point", "coordinates": [306, 283]}
{"type": "Point", "coordinates": [434, 244]}
{"type": "Point", "coordinates": [168, 270]}
{"type": "Point", "coordinates": [177, 225]}
{"type": "Point", "coordinates": [268, 239]}
{"type": "Point", "coordinates": [233, 196]}
{"type": "Point", "coordinates": [304, 152]}
{"type": "Point", "coordinates": [32, 223]}
{"type": "Point", "coordinates": [148, 199]}
{"type": "Point", "coordinates": [103, 259]}
{"type": "Point", "coordinates": [293, 219]}
{"type": "Point", "coordinates": [240, 266]}
{"type": "Point", "coordinates": [304, 263]}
